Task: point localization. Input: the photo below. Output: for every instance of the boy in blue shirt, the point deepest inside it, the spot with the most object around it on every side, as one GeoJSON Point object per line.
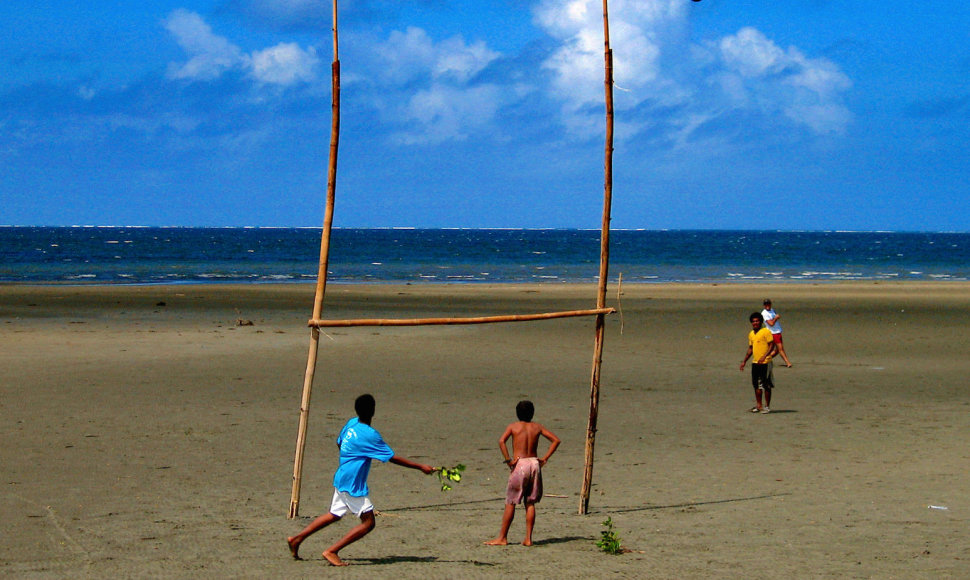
{"type": "Point", "coordinates": [359, 443]}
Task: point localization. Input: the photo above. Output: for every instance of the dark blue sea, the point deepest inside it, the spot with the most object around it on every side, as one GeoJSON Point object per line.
{"type": "Point", "coordinates": [144, 255]}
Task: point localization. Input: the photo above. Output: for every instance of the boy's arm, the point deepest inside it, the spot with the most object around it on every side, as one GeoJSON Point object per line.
{"type": "Point", "coordinates": [553, 443]}
{"type": "Point", "coordinates": [503, 445]}
{"type": "Point", "coordinates": [747, 355]}
{"type": "Point", "coordinates": [772, 351]}
{"type": "Point", "coordinates": [403, 461]}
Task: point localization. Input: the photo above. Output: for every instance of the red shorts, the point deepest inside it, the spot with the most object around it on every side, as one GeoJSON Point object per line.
{"type": "Point", "coordinates": [776, 338]}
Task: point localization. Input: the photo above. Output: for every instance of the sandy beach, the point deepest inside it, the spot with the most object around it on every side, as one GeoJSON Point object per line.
{"type": "Point", "coordinates": [148, 435]}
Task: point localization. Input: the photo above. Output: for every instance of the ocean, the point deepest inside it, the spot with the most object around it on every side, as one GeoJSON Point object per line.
{"type": "Point", "coordinates": [177, 255]}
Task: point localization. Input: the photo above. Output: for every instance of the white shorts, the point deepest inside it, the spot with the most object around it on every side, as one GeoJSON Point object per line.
{"type": "Point", "coordinates": [343, 502]}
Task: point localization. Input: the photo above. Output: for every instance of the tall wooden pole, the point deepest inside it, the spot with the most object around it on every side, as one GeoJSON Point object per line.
{"type": "Point", "coordinates": [311, 363]}
{"type": "Point", "coordinates": [594, 389]}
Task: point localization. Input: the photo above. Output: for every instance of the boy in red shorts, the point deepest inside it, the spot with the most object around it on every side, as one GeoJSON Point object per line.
{"type": "Point", "coordinates": [773, 322]}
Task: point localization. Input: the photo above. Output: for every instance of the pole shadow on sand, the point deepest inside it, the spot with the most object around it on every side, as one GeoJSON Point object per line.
{"type": "Point", "coordinates": [625, 509]}
{"type": "Point", "coordinates": [411, 560]}
{"type": "Point", "coordinates": [443, 505]}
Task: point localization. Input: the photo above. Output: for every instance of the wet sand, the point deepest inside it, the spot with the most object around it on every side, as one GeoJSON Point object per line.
{"type": "Point", "coordinates": [147, 435]}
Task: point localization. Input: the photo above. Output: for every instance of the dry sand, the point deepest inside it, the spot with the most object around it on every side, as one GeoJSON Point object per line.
{"type": "Point", "coordinates": [146, 435]}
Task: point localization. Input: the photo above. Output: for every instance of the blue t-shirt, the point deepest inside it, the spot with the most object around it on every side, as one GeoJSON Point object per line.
{"type": "Point", "coordinates": [359, 443]}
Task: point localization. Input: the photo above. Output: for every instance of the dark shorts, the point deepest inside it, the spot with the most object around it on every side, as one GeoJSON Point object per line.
{"type": "Point", "coordinates": [761, 376]}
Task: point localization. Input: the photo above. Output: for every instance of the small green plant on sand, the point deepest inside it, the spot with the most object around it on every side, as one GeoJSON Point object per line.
{"type": "Point", "coordinates": [609, 542]}
{"type": "Point", "coordinates": [446, 475]}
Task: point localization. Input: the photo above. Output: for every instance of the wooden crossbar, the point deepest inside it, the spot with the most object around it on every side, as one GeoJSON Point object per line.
{"type": "Point", "coordinates": [468, 320]}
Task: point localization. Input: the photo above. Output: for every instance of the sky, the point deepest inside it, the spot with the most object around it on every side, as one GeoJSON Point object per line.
{"type": "Point", "coordinates": [740, 114]}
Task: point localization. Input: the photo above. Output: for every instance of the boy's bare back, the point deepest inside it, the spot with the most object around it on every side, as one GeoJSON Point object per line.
{"type": "Point", "coordinates": [525, 440]}
{"type": "Point", "coordinates": [525, 481]}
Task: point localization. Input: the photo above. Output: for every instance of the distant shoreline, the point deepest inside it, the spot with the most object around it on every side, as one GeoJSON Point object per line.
{"type": "Point", "coordinates": [612, 285]}
{"type": "Point", "coordinates": [147, 255]}
{"type": "Point", "coordinates": [498, 229]}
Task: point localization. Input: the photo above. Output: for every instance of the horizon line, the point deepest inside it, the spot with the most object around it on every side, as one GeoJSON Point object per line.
{"type": "Point", "coordinates": [460, 228]}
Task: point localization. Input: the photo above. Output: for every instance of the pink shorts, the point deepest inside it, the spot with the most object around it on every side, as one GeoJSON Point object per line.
{"type": "Point", "coordinates": [525, 482]}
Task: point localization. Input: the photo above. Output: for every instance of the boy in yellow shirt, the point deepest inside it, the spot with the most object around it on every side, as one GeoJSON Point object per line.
{"type": "Point", "coordinates": [761, 347]}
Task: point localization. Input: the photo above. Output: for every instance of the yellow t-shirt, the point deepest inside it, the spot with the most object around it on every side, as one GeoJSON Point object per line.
{"type": "Point", "coordinates": [760, 343]}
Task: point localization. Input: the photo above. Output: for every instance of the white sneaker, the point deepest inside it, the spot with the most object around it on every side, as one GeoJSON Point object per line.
{"type": "Point", "coordinates": [766, 410]}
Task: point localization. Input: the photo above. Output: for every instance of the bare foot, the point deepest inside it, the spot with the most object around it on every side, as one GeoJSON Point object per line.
{"type": "Point", "coordinates": [497, 542]}
{"type": "Point", "coordinates": [294, 548]}
{"type": "Point", "coordinates": [334, 559]}
{"type": "Point", "coordinates": [526, 542]}
{"type": "Point", "coordinates": [788, 365]}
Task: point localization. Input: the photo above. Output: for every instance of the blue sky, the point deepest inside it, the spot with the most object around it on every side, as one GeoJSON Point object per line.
{"type": "Point", "coordinates": [742, 114]}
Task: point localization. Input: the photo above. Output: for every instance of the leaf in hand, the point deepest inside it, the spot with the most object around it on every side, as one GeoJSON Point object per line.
{"type": "Point", "coordinates": [449, 474]}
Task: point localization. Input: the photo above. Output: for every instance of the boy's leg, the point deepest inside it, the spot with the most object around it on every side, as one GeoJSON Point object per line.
{"type": "Point", "coordinates": [784, 355]}
{"type": "Point", "coordinates": [755, 384]}
{"type": "Point", "coordinates": [530, 520]}
{"type": "Point", "coordinates": [503, 536]}
{"type": "Point", "coordinates": [367, 523]}
{"type": "Point", "coordinates": [758, 373]}
{"type": "Point", "coordinates": [767, 384]}
{"type": "Point", "coordinates": [316, 525]}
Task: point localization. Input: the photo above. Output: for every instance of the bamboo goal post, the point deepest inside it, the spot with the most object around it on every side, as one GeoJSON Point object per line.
{"type": "Point", "coordinates": [311, 364]}
{"type": "Point", "coordinates": [594, 388]}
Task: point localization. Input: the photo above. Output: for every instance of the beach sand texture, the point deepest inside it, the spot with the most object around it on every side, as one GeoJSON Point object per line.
{"type": "Point", "coordinates": [146, 435]}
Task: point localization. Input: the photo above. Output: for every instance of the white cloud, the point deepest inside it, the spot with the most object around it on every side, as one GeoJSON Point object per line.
{"type": "Point", "coordinates": [657, 67]}
{"type": "Point", "coordinates": [86, 92]}
{"type": "Point", "coordinates": [822, 77]}
{"type": "Point", "coordinates": [806, 90]}
{"type": "Point", "coordinates": [445, 113]}
{"type": "Point", "coordinates": [405, 55]}
{"type": "Point", "coordinates": [637, 27]}
{"type": "Point", "coordinates": [449, 105]}
{"type": "Point", "coordinates": [751, 54]}
{"type": "Point", "coordinates": [461, 61]}
{"type": "Point", "coordinates": [211, 55]}
{"type": "Point", "coordinates": [284, 64]}
{"type": "Point", "coordinates": [412, 54]}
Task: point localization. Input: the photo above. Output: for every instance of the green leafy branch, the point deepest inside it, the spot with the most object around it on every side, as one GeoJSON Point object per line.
{"type": "Point", "coordinates": [447, 475]}
{"type": "Point", "coordinates": [609, 542]}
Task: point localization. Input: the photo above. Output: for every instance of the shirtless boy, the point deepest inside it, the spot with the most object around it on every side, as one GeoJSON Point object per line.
{"type": "Point", "coordinates": [525, 481]}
